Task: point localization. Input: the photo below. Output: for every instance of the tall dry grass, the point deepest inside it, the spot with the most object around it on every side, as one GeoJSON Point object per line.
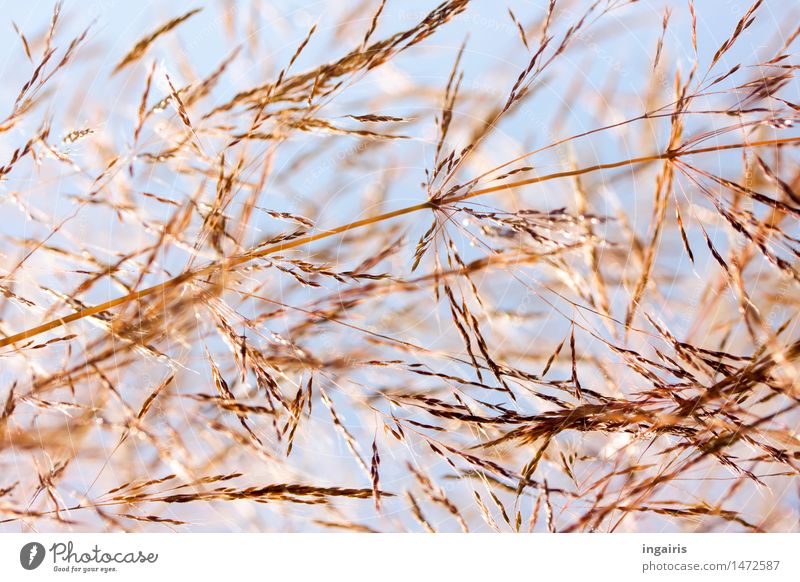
{"type": "Point", "coordinates": [219, 311]}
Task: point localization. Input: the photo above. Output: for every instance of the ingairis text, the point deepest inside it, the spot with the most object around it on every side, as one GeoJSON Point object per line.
{"type": "Point", "coordinates": [660, 550]}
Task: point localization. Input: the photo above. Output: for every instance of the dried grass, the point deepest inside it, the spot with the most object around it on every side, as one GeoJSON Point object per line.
{"type": "Point", "coordinates": [479, 360]}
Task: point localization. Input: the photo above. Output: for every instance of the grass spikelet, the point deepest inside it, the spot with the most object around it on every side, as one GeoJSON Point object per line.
{"type": "Point", "coordinates": [140, 48]}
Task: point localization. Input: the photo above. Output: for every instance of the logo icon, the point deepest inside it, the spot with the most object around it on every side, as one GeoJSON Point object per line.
{"type": "Point", "coordinates": [31, 555]}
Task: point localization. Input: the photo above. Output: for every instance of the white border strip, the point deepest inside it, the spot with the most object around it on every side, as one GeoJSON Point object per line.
{"type": "Point", "coordinates": [406, 557]}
